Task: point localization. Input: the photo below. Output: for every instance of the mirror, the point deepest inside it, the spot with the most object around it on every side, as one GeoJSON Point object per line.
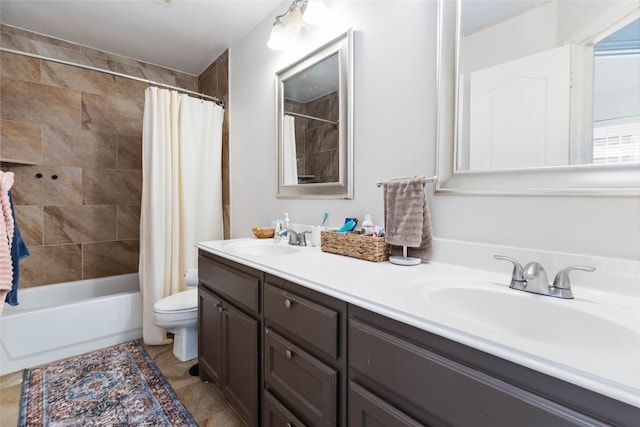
{"type": "Point", "coordinates": [539, 96]}
{"type": "Point", "coordinates": [314, 111]}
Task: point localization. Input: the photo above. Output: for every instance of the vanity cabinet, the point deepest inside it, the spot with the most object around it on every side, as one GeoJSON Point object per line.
{"type": "Point", "coordinates": [400, 375]}
{"type": "Point", "coordinates": [286, 355]}
{"type": "Point", "coordinates": [304, 356]}
{"type": "Point", "coordinates": [229, 339]}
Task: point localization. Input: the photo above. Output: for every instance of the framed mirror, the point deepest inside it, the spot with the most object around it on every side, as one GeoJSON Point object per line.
{"type": "Point", "coordinates": [539, 97]}
{"type": "Point", "coordinates": [314, 114]}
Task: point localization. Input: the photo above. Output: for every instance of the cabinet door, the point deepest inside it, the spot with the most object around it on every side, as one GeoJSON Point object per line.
{"type": "Point", "coordinates": [239, 345]}
{"type": "Point", "coordinates": [209, 336]}
{"type": "Point", "coordinates": [367, 410]}
{"type": "Point", "coordinates": [305, 385]}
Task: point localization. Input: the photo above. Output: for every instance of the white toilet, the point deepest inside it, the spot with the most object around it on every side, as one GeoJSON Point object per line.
{"type": "Point", "coordinates": [178, 314]}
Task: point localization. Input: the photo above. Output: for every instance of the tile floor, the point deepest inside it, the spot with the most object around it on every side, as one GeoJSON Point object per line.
{"type": "Point", "coordinates": [201, 399]}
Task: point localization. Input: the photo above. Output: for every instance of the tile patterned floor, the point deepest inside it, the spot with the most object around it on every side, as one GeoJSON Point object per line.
{"type": "Point", "coordinates": [201, 399]}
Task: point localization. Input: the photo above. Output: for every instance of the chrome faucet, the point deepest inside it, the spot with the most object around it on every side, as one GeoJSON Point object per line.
{"type": "Point", "coordinates": [296, 239]}
{"type": "Point", "coordinates": [533, 278]}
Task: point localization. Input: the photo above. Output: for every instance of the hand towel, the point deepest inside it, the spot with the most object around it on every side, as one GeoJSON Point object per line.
{"type": "Point", "coordinates": [407, 221]}
{"type": "Point", "coordinates": [6, 236]}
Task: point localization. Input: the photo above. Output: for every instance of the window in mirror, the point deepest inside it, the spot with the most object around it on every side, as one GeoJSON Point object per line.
{"type": "Point", "coordinates": [616, 97]}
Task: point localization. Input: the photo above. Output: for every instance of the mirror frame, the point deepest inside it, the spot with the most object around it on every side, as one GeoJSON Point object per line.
{"type": "Point", "coordinates": [609, 180]}
{"type": "Point", "coordinates": [343, 188]}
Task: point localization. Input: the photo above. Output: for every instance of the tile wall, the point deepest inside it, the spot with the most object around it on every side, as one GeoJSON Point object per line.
{"type": "Point", "coordinates": [316, 141]}
{"type": "Point", "coordinates": [214, 81]}
{"type": "Point", "coordinates": [78, 209]}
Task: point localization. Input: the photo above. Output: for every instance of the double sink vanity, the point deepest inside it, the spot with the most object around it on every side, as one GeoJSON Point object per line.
{"type": "Point", "coordinates": [295, 336]}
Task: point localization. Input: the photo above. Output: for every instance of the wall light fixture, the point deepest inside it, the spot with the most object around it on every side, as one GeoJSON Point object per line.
{"type": "Point", "coordinates": [313, 12]}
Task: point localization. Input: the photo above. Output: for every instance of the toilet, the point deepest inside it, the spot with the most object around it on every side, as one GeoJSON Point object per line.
{"type": "Point", "coordinates": [178, 314]}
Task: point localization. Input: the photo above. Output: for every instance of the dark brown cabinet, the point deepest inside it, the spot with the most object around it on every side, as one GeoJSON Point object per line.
{"type": "Point", "coordinates": [398, 372]}
{"type": "Point", "coordinates": [285, 355]}
{"type": "Point", "coordinates": [229, 333]}
{"type": "Point", "coordinates": [304, 356]}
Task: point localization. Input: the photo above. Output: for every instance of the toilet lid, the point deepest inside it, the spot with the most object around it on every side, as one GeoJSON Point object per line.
{"type": "Point", "coordinates": [187, 300]}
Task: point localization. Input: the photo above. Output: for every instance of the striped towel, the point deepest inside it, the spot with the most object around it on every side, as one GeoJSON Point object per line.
{"type": "Point", "coordinates": [406, 214]}
{"type": "Point", "coordinates": [6, 236]}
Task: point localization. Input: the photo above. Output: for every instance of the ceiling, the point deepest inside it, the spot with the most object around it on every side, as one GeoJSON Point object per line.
{"type": "Point", "coordinates": [184, 35]}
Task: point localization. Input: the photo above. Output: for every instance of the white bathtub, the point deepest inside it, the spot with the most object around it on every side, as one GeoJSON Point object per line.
{"type": "Point", "coordinates": [66, 319]}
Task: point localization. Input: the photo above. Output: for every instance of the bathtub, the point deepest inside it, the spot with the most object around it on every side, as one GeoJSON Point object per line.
{"type": "Point", "coordinates": [57, 321]}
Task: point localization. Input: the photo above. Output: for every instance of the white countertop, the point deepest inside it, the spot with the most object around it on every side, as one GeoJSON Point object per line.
{"type": "Point", "coordinates": [394, 291]}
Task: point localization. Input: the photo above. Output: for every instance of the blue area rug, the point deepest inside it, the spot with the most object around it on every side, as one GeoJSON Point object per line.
{"type": "Point", "coordinates": [116, 386]}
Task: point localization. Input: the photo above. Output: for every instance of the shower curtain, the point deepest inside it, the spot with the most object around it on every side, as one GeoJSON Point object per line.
{"type": "Point", "coordinates": [181, 193]}
{"type": "Point", "coordinates": [289, 160]}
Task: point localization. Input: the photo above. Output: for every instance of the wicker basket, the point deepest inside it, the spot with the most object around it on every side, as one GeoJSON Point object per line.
{"type": "Point", "coordinates": [355, 245]}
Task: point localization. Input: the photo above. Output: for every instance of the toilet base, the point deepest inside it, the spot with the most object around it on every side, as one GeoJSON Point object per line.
{"type": "Point", "coordinates": [185, 343]}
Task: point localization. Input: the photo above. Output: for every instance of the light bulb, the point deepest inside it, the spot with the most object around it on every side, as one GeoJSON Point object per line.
{"type": "Point", "coordinates": [294, 21]}
{"type": "Point", "coordinates": [278, 39]}
{"type": "Point", "coordinates": [316, 12]}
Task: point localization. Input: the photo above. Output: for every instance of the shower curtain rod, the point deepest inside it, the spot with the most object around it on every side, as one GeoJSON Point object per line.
{"type": "Point", "coordinates": [115, 73]}
{"type": "Point", "coordinates": [304, 116]}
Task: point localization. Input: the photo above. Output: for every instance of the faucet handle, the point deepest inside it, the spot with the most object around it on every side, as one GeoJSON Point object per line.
{"type": "Point", "coordinates": [562, 281]}
{"type": "Point", "coordinates": [517, 267]}
{"type": "Point", "coordinates": [302, 238]}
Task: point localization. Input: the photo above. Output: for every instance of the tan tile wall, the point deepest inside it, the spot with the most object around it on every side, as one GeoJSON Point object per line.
{"type": "Point", "coordinates": [214, 81]}
{"type": "Point", "coordinates": [81, 218]}
{"type": "Point", "coordinates": [316, 141]}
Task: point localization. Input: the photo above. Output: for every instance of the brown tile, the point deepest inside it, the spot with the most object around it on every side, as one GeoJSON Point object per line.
{"type": "Point", "coordinates": [76, 78]}
{"type": "Point", "coordinates": [20, 141]}
{"type": "Point", "coordinates": [110, 187]}
{"type": "Point", "coordinates": [77, 224]}
{"type": "Point", "coordinates": [129, 152]}
{"type": "Point", "coordinates": [51, 264]}
{"type": "Point", "coordinates": [20, 67]}
{"type": "Point", "coordinates": [225, 418]}
{"type": "Point", "coordinates": [208, 82]}
{"type": "Point", "coordinates": [78, 147]}
{"type": "Point", "coordinates": [112, 114]}
{"type": "Point", "coordinates": [130, 89]}
{"type": "Point", "coordinates": [37, 103]}
{"type": "Point", "coordinates": [57, 186]}
{"type": "Point", "coordinates": [31, 223]}
{"type": "Point", "coordinates": [110, 258]}
{"type": "Point", "coordinates": [128, 222]}
{"type": "Point", "coordinates": [202, 400]}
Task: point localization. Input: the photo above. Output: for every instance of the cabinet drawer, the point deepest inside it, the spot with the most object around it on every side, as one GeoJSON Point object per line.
{"type": "Point", "coordinates": [304, 384]}
{"type": "Point", "coordinates": [308, 321]}
{"type": "Point", "coordinates": [367, 410]}
{"type": "Point", "coordinates": [241, 286]}
{"type": "Point", "coordinates": [439, 391]}
{"type": "Point", "coordinates": [276, 415]}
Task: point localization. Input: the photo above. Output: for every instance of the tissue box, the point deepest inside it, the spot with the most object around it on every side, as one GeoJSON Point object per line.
{"type": "Point", "coordinates": [355, 245]}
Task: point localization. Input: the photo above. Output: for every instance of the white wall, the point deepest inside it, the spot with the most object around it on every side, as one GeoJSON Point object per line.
{"type": "Point", "coordinates": [394, 135]}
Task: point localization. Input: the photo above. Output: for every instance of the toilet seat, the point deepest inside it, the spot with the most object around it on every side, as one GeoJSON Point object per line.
{"type": "Point", "coordinates": [181, 302]}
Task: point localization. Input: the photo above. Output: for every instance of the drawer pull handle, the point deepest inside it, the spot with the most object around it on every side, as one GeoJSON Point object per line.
{"type": "Point", "coordinates": [288, 303]}
{"type": "Point", "coordinates": [289, 354]}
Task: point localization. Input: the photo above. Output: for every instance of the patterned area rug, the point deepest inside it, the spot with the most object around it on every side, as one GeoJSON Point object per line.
{"type": "Point", "coordinates": [116, 386]}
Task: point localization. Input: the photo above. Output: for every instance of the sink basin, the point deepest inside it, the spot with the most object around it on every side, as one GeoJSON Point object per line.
{"type": "Point", "coordinates": [264, 248]}
{"type": "Point", "coordinates": [506, 315]}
